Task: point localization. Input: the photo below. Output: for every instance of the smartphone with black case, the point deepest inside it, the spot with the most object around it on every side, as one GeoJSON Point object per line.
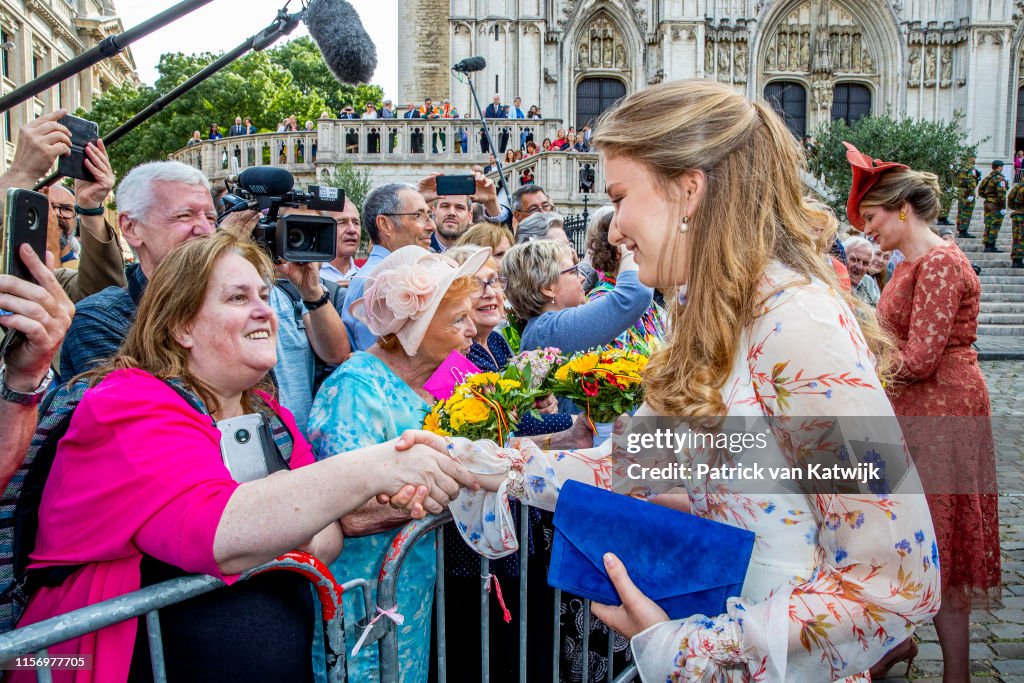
{"type": "Point", "coordinates": [82, 133]}
{"type": "Point", "coordinates": [25, 222]}
{"type": "Point", "coordinates": [456, 184]}
{"type": "Point", "coordinates": [245, 446]}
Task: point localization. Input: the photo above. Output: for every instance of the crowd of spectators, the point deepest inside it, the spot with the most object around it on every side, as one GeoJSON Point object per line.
{"type": "Point", "coordinates": [565, 140]}
{"type": "Point", "coordinates": [204, 327]}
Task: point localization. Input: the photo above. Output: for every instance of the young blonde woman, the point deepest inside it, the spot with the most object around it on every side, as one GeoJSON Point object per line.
{"type": "Point", "coordinates": [708, 198]}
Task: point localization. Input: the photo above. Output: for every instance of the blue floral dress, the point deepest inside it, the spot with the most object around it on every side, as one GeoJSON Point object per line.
{"type": "Point", "coordinates": [361, 404]}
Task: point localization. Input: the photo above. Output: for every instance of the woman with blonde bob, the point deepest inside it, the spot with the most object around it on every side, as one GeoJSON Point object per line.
{"type": "Point", "coordinates": [139, 491]}
{"type": "Point", "coordinates": [708, 199]}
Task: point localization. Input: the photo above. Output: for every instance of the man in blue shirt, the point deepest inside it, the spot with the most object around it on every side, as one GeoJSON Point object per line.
{"type": "Point", "coordinates": [309, 327]}
{"type": "Point", "coordinates": [394, 215]}
{"type": "Point", "coordinates": [161, 205]}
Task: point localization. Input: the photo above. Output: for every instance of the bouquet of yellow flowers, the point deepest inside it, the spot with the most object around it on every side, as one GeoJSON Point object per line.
{"type": "Point", "coordinates": [605, 383]}
{"type": "Point", "coordinates": [488, 405]}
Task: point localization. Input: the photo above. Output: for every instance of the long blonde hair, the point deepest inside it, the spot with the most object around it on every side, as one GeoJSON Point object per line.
{"type": "Point", "coordinates": [752, 212]}
{"type": "Point", "coordinates": [171, 301]}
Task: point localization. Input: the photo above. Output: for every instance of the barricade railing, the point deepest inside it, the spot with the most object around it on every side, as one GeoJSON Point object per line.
{"type": "Point", "coordinates": [386, 631]}
{"type": "Point", "coordinates": [37, 638]}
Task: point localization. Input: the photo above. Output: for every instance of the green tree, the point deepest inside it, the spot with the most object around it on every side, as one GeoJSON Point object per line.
{"type": "Point", "coordinates": [355, 181]}
{"type": "Point", "coordinates": [301, 58]}
{"type": "Point", "coordinates": [260, 85]}
{"type": "Point", "coordinates": [933, 146]}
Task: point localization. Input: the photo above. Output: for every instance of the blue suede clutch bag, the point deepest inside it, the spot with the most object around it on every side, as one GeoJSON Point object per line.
{"type": "Point", "coordinates": [686, 564]}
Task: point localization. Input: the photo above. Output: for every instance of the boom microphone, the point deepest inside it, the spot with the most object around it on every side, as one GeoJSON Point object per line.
{"type": "Point", "coordinates": [470, 64]}
{"type": "Point", "coordinates": [266, 180]}
{"type": "Point", "coordinates": [346, 47]}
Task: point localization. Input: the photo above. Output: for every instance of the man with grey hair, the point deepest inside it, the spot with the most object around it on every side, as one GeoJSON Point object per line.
{"type": "Point", "coordinates": [859, 253]}
{"type": "Point", "coordinates": [161, 205]}
{"type": "Point", "coordinates": [394, 216]}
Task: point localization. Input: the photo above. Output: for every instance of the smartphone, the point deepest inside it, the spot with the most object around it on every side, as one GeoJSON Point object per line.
{"type": "Point", "coordinates": [456, 184]}
{"type": "Point", "coordinates": [245, 446]}
{"type": "Point", "coordinates": [82, 133]}
{"type": "Point", "coordinates": [25, 219]}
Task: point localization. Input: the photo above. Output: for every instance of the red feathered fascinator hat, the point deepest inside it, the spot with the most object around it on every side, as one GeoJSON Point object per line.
{"type": "Point", "coordinates": [866, 172]}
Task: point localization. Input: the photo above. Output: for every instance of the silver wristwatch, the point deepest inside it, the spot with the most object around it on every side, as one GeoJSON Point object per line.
{"type": "Point", "coordinates": [20, 397]}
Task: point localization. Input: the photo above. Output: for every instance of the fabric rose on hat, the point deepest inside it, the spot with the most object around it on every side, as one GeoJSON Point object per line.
{"type": "Point", "coordinates": [397, 296]}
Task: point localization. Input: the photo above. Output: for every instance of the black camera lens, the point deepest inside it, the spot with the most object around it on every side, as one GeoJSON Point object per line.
{"type": "Point", "coordinates": [242, 436]}
{"type": "Point", "coordinates": [32, 218]}
{"type": "Point", "coordinates": [301, 240]}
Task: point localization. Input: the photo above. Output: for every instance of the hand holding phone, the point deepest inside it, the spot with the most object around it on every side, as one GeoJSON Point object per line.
{"type": "Point", "coordinates": [35, 321]}
{"type": "Point", "coordinates": [456, 185]}
{"type": "Point", "coordinates": [40, 142]}
{"type": "Point", "coordinates": [82, 133]}
{"type": "Point", "coordinates": [25, 217]}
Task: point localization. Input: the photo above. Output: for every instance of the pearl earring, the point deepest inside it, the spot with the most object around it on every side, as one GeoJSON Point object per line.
{"type": "Point", "coordinates": [684, 226]}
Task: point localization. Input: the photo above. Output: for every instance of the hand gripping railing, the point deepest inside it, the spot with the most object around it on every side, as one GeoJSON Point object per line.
{"type": "Point", "coordinates": [36, 638]}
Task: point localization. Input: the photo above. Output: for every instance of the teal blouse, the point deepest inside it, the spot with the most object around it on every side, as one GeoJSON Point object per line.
{"type": "Point", "coordinates": [361, 404]}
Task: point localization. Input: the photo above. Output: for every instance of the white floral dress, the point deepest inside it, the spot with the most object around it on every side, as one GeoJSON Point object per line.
{"type": "Point", "coordinates": [835, 580]}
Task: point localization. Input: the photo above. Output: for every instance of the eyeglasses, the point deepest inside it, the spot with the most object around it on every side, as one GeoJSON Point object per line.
{"type": "Point", "coordinates": [422, 217]}
{"type": "Point", "coordinates": [495, 282]}
{"type": "Point", "coordinates": [63, 210]}
{"type": "Point", "coordinates": [546, 207]}
{"type": "Point", "coordinates": [575, 270]}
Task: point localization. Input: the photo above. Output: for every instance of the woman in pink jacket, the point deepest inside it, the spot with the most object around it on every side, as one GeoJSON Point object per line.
{"type": "Point", "coordinates": [139, 492]}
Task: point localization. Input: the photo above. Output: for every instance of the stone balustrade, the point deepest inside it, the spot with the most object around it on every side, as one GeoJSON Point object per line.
{"type": "Point", "coordinates": [403, 150]}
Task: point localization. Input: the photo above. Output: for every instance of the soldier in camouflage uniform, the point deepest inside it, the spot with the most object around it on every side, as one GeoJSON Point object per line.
{"type": "Point", "coordinates": [1016, 202]}
{"type": "Point", "coordinates": [966, 184]}
{"type": "Point", "coordinates": [993, 191]}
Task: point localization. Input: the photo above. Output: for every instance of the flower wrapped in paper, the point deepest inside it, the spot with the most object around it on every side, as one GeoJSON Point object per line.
{"type": "Point", "coordinates": [605, 383]}
{"type": "Point", "coordinates": [488, 405]}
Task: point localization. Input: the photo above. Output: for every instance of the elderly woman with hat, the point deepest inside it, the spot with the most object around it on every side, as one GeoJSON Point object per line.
{"type": "Point", "coordinates": [419, 305]}
{"type": "Point", "coordinates": [931, 306]}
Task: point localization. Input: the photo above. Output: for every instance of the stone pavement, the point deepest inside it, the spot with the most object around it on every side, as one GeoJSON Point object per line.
{"type": "Point", "coordinates": [993, 347]}
{"type": "Point", "coordinates": [997, 634]}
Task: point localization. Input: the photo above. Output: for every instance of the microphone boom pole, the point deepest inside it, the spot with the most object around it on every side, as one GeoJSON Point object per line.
{"type": "Point", "coordinates": [283, 25]}
{"type": "Point", "coordinates": [487, 134]}
{"type": "Point", "coordinates": [107, 47]}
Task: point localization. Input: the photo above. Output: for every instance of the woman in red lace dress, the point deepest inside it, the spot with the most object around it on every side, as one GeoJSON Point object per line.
{"type": "Point", "coordinates": [931, 307]}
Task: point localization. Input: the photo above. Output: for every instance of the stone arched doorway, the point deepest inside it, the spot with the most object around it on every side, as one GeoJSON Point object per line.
{"type": "Point", "coordinates": [835, 48]}
{"type": "Point", "coordinates": [594, 96]}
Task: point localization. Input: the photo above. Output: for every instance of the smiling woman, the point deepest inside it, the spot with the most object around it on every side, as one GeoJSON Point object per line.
{"type": "Point", "coordinates": [139, 491]}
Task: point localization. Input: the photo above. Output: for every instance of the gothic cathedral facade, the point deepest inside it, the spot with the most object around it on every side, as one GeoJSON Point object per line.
{"type": "Point", "coordinates": [816, 60]}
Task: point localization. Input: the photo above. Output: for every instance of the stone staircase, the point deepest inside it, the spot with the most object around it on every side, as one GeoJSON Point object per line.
{"type": "Point", "coordinates": [1002, 287]}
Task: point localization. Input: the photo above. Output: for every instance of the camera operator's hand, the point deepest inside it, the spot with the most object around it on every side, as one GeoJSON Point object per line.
{"type": "Point", "coordinates": [305, 277]}
{"type": "Point", "coordinates": [428, 187]}
{"type": "Point", "coordinates": [486, 193]}
{"type": "Point", "coordinates": [40, 142]}
{"type": "Point", "coordinates": [92, 194]}
{"type": "Point", "coordinates": [240, 223]}
{"type": "Point", "coordinates": [42, 313]}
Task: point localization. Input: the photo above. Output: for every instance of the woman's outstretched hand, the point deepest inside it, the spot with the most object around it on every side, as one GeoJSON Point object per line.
{"type": "Point", "coordinates": [637, 613]}
{"type": "Point", "coordinates": [430, 488]}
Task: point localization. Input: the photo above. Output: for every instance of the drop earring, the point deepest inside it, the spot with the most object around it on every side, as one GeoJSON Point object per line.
{"type": "Point", "coordinates": [685, 225]}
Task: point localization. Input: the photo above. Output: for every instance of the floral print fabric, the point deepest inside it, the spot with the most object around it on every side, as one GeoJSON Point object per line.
{"type": "Point", "coordinates": [835, 581]}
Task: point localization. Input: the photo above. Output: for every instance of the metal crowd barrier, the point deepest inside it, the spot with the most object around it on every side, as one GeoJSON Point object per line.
{"type": "Point", "coordinates": [37, 638]}
{"type": "Point", "coordinates": [386, 632]}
